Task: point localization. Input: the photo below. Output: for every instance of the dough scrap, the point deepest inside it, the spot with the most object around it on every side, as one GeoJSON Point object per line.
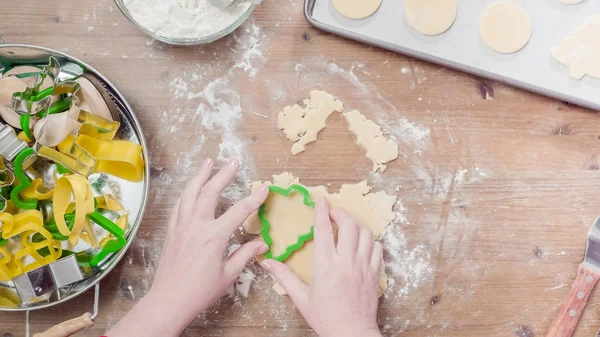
{"type": "Point", "coordinates": [430, 17]}
{"type": "Point", "coordinates": [289, 218]}
{"type": "Point", "coordinates": [380, 149]}
{"type": "Point", "coordinates": [505, 27]}
{"type": "Point", "coordinates": [357, 9]}
{"type": "Point", "coordinates": [301, 125]}
{"type": "Point", "coordinates": [581, 51]}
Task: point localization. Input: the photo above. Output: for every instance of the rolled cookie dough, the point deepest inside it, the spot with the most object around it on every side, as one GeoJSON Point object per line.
{"type": "Point", "coordinates": [289, 218]}
{"type": "Point", "coordinates": [301, 125]}
{"type": "Point", "coordinates": [380, 149]}
{"type": "Point", "coordinates": [430, 17]}
{"type": "Point", "coordinates": [581, 51]}
{"type": "Point", "coordinates": [505, 27]}
{"type": "Point", "coordinates": [357, 9]}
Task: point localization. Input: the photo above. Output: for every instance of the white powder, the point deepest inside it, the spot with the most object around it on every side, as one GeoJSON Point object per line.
{"type": "Point", "coordinates": [407, 268]}
{"type": "Point", "coordinates": [217, 105]}
{"type": "Point", "coordinates": [184, 19]}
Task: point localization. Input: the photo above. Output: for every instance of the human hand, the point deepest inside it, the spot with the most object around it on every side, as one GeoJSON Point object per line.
{"type": "Point", "coordinates": [193, 273]}
{"type": "Point", "coordinates": [343, 297]}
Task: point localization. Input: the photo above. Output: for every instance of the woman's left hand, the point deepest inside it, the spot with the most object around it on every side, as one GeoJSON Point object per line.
{"type": "Point", "coordinates": [193, 272]}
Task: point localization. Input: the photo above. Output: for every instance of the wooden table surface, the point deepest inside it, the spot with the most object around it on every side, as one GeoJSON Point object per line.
{"type": "Point", "coordinates": [498, 186]}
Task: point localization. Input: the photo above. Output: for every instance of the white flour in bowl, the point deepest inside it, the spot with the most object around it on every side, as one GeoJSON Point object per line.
{"type": "Point", "coordinates": [184, 19]}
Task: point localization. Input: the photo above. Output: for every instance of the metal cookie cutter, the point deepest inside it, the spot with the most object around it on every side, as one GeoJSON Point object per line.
{"type": "Point", "coordinates": [48, 278]}
{"type": "Point", "coordinates": [33, 100]}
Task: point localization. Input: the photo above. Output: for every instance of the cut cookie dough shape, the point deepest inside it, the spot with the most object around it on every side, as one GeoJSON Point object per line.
{"type": "Point", "coordinates": [581, 51]}
{"type": "Point", "coordinates": [357, 9]}
{"type": "Point", "coordinates": [301, 125]}
{"type": "Point", "coordinates": [430, 17]}
{"type": "Point", "coordinates": [380, 149]}
{"type": "Point", "coordinates": [289, 218]}
{"type": "Point", "coordinates": [505, 27]}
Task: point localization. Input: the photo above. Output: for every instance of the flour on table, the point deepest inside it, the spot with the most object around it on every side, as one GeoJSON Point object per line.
{"type": "Point", "coordinates": [184, 19]}
{"type": "Point", "coordinates": [205, 97]}
{"type": "Point", "coordinates": [409, 266]}
{"type": "Point", "coordinates": [380, 149]}
{"type": "Point", "coordinates": [581, 51]}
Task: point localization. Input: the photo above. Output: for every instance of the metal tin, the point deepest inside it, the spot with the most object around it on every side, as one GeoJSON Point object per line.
{"type": "Point", "coordinates": [134, 196]}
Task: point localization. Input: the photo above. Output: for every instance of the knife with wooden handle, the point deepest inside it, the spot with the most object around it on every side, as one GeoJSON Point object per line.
{"type": "Point", "coordinates": [570, 311]}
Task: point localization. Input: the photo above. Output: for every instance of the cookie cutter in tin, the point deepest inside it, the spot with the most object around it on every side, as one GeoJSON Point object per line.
{"type": "Point", "coordinates": [14, 55]}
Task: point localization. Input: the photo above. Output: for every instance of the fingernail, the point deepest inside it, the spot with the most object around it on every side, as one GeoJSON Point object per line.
{"type": "Point", "coordinates": [232, 162]}
{"type": "Point", "coordinates": [263, 189]}
{"type": "Point", "coordinates": [323, 202]}
{"type": "Point", "coordinates": [262, 249]}
{"type": "Point", "coordinates": [265, 264]}
{"type": "Point", "coordinates": [207, 162]}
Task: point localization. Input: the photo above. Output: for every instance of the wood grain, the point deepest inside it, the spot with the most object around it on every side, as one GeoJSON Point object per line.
{"type": "Point", "coordinates": [498, 196]}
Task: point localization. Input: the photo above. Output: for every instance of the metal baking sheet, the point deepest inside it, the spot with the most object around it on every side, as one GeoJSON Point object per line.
{"type": "Point", "coordinates": [532, 68]}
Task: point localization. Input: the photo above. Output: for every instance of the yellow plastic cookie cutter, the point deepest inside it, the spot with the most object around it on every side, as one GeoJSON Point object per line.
{"type": "Point", "coordinates": [37, 191]}
{"type": "Point", "coordinates": [71, 154]}
{"type": "Point", "coordinates": [5, 258]}
{"type": "Point", "coordinates": [79, 188]}
{"type": "Point", "coordinates": [26, 224]}
{"type": "Point", "coordinates": [120, 158]}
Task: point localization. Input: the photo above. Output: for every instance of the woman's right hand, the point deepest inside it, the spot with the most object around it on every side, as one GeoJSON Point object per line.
{"type": "Point", "coordinates": [343, 297]}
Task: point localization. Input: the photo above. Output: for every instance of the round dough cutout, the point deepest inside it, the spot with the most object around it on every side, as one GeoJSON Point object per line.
{"type": "Point", "coordinates": [571, 2]}
{"type": "Point", "coordinates": [357, 9]}
{"type": "Point", "coordinates": [505, 27]}
{"type": "Point", "coordinates": [430, 17]}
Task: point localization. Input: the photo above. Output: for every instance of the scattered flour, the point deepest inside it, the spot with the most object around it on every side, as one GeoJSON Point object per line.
{"type": "Point", "coordinates": [415, 135]}
{"type": "Point", "coordinates": [184, 19]}
{"type": "Point", "coordinates": [217, 107]}
{"type": "Point", "coordinates": [411, 266]}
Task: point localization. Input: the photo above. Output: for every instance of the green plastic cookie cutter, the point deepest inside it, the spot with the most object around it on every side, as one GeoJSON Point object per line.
{"type": "Point", "coordinates": [111, 246]}
{"type": "Point", "coordinates": [266, 225]}
{"type": "Point", "coordinates": [24, 182]}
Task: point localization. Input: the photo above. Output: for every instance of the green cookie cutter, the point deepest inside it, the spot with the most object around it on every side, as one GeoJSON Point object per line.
{"type": "Point", "coordinates": [24, 182]}
{"type": "Point", "coordinates": [266, 225]}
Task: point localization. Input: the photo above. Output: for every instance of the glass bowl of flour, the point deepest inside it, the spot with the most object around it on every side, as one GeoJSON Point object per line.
{"type": "Point", "coordinates": [184, 22]}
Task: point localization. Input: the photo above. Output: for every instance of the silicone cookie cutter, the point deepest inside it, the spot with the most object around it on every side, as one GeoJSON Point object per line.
{"type": "Point", "coordinates": [24, 182]}
{"type": "Point", "coordinates": [266, 225]}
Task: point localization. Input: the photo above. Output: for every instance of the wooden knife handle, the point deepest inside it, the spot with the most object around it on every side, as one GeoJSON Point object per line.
{"type": "Point", "coordinates": [68, 328]}
{"type": "Point", "coordinates": [570, 311]}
